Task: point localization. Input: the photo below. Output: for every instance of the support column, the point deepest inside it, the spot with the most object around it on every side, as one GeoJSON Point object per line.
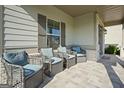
{"type": "Point", "coordinates": [122, 45]}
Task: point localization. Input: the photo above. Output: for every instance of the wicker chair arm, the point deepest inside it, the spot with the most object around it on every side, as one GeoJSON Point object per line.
{"type": "Point", "coordinates": [46, 59]}
{"type": "Point", "coordinates": [56, 54]}
{"type": "Point", "coordinates": [69, 51]}
{"type": "Point", "coordinates": [73, 52]}
{"type": "Point", "coordinates": [6, 63]}
{"type": "Point", "coordinates": [16, 66]}
{"type": "Point", "coordinates": [63, 55]}
{"type": "Point", "coordinates": [15, 74]}
{"type": "Point", "coordinates": [60, 54]}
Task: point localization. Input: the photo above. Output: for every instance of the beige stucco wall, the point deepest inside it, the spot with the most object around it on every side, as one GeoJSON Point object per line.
{"type": "Point", "coordinates": [85, 30]}
{"type": "Point", "coordinates": [114, 35]}
{"type": "Point", "coordinates": [86, 34]}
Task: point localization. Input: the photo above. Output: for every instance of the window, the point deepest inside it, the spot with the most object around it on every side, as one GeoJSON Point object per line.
{"type": "Point", "coordinates": [53, 34]}
{"type": "Point", "coordinates": [50, 33]}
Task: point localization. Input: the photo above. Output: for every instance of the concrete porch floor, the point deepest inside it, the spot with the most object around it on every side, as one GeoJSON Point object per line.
{"type": "Point", "coordinates": [106, 73]}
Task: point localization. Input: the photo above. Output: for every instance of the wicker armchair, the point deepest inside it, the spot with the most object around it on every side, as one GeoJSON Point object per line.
{"type": "Point", "coordinates": [16, 74]}
{"type": "Point", "coordinates": [81, 53]}
{"type": "Point", "coordinates": [68, 56]}
{"type": "Point", "coordinates": [52, 63]}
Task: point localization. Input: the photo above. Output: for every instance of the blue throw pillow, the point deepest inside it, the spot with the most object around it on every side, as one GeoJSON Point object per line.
{"type": "Point", "coordinates": [19, 58]}
{"type": "Point", "coordinates": [76, 49]}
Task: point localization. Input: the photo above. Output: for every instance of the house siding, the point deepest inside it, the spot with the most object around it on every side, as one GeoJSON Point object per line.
{"type": "Point", "coordinates": [20, 29]}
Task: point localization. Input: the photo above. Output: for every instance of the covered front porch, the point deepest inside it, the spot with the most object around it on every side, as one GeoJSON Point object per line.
{"type": "Point", "coordinates": [32, 28]}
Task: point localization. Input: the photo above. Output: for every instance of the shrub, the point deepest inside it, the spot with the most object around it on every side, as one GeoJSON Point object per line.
{"type": "Point", "coordinates": [112, 49]}
{"type": "Point", "coordinates": [117, 51]}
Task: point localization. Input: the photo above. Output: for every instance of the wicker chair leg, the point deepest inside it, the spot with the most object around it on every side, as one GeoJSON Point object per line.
{"type": "Point", "coordinates": [71, 62]}
{"type": "Point", "coordinates": [56, 68]}
{"type": "Point", "coordinates": [35, 80]}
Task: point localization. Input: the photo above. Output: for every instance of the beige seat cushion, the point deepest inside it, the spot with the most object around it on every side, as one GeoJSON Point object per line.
{"type": "Point", "coordinates": [56, 60]}
{"type": "Point", "coordinates": [81, 55]}
{"type": "Point", "coordinates": [71, 56]}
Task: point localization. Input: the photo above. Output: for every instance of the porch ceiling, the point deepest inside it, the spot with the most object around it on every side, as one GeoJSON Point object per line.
{"type": "Point", "coordinates": [110, 14]}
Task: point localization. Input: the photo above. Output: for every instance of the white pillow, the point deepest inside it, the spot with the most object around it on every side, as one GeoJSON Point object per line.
{"type": "Point", "coordinates": [62, 49]}
{"type": "Point", "coordinates": [47, 52]}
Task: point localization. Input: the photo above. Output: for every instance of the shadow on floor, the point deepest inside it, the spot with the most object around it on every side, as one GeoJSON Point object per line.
{"type": "Point", "coordinates": [108, 61]}
{"type": "Point", "coordinates": [120, 61]}
{"type": "Point", "coordinates": [45, 81]}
